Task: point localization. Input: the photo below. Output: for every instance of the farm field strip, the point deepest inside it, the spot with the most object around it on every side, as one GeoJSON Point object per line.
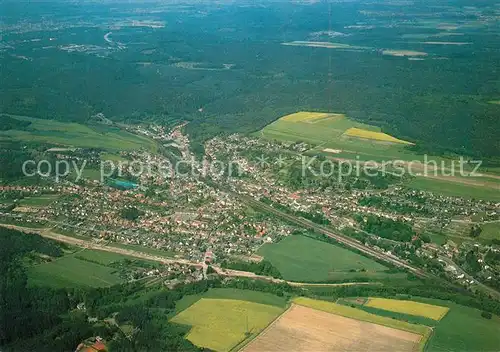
{"type": "Point", "coordinates": [378, 136]}
{"type": "Point", "coordinates": [353, 140]}
{"type": "Point", "coordinates": [221, 324]}
{"type": "Point", "coordinates": [78, 135]}
{"type": "Point", "coordinates": [302, 328]}
{"type": "Point", "coordinates": [303, 116]}
{"type": "Point", "coordinates": [232, 293]}
{"type": "Point", "coordinates": [408, 307]}
{"type": "Point", "coordinates": [456, 189]}
{"type": "Point", "coordinates": [359, 314]}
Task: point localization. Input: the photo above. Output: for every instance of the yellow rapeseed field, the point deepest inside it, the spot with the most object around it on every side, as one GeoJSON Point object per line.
{"type": "Point", "coordinates": [220, 324]}
{"type": "Point", "coordinates": [378, 136]}
{"type": "Point", "coordinates": [304, 116]}
{"type": "Point", "coordinates": [408, 307]}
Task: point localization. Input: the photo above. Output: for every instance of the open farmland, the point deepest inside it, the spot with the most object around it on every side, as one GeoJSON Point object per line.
{"type": "Point", "coordinates": [305, 116]}
{"type": "Point", "coordinates": [447, 188]}
{"type": "Point", "coordinates": [327, 130]}
{"type": "Point", "coordinates": [490, 231]}
{"type": "Point", "coordinates": [70, 271]}
{"type": "Point", "coordinates": [300, 258]}
{"type": "Point", "coordinates": [231, 293]}
{"type": "Point", "coordinates": [306, 329]}
{"type": "Point", "coordinates": [221, 324]}
{"type": "Point", "coordinates": [377, 136]}
{"type": "Point", "coordinates": [463, 329]}
{"type": "Point", "coordinates": [77, 135]}
{"type": "Point", "coordinates": [338, 137]}
{"type": "Point", "coordinates": [359, 314]}
{"type": "Point", "coordinates": [87, 268]}
{"type": "Point", "coordinates": [408, 307]}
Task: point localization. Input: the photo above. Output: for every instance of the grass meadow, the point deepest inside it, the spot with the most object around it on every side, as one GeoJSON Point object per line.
{"type": "Point", "coordinates": [38, 201]}
{"type": "Point", "coordinates": [88, 268]}
{"type": "Point", "coordinates": [377, 136]}
{"type": "Point", "coordinates": [454, 189]}
{"type": "Point", "coordinates": [490, 231]}
{"type": "Point", "coordinates": [77, 135]}
{"type": "Point", "coordinates": [301, 258]}
{"type": "Point", "coordinates": [413, 319]}
{"type": "Point", "coordinates": [463, 329]}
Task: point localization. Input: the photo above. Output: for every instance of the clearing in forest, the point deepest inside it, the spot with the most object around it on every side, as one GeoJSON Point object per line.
{"type": "Point", "coordinates": [305, 116]}
{"type": "Point", "coordinates": [377, 136]}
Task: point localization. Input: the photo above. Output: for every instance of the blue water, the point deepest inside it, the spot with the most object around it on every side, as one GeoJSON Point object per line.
{"type": "Point", "coordinates": [122, 184]}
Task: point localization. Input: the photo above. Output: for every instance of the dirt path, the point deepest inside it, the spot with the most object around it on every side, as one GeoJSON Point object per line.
{"type": "Point", "coordinates": [46, 232]}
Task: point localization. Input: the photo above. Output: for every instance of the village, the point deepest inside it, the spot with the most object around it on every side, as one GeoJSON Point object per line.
{"type": "Point", "coordinates": [189, 214]}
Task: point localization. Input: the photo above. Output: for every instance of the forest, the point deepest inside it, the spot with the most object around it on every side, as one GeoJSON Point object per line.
{"type": "Point", "coordinates": [386, 228]}
{"type": "Point", "coordinates": [227, 71]}
{"type": "Point", "coordinates": [42, 319]}
{"type": "Point", "coordinates": [45, 319]}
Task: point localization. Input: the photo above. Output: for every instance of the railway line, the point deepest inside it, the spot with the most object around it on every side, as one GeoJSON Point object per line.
{"type": "Point", "coordinates": [339, 238]}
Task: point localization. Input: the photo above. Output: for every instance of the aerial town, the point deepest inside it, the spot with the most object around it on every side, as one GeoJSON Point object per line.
{"type": "Point", "coordinates": [189, 213]}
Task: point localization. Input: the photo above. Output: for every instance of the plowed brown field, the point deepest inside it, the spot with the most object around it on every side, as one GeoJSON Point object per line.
{"type": "Point", "coordinates": [306, 329]}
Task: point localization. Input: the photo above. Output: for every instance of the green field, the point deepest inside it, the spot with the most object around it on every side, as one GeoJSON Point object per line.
{"type": "Point", "coordinates": [148, 250]}
{"type": "Point", "coordinates": [301, 258]}
{"type": "Point", "coordinates": [328, 134]}
{"type": "Point", "coordinates": [490, 231]}
{"type": "Point", "coordinates": [112, 157]}
{"type": "Point", "coordinates": [463, 329]}
{"type": "Point", "coordinates": [70, 271]}
{"type": "Point", "coordinates": [454, 189]}
{"type": "Point", "coordinates": [77, 135]}
{"type": "Point", "coordinates": [39, 201]}
{"type": "Point", "coordinates": [221, 324]}
{"type": "Point", "coordinates": [232, 293]}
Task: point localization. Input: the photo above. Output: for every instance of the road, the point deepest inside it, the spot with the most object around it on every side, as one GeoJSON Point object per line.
{"type": "Point", "coordinates": [354, 244]}
{"type": "Point", "coordinates": [491, 291]}
{"type": "Point", "coordinates": [47, 233]}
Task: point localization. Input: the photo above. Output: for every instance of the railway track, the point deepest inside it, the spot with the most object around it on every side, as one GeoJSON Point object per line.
{"type": "Point", "coordinates": [339, 238]}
